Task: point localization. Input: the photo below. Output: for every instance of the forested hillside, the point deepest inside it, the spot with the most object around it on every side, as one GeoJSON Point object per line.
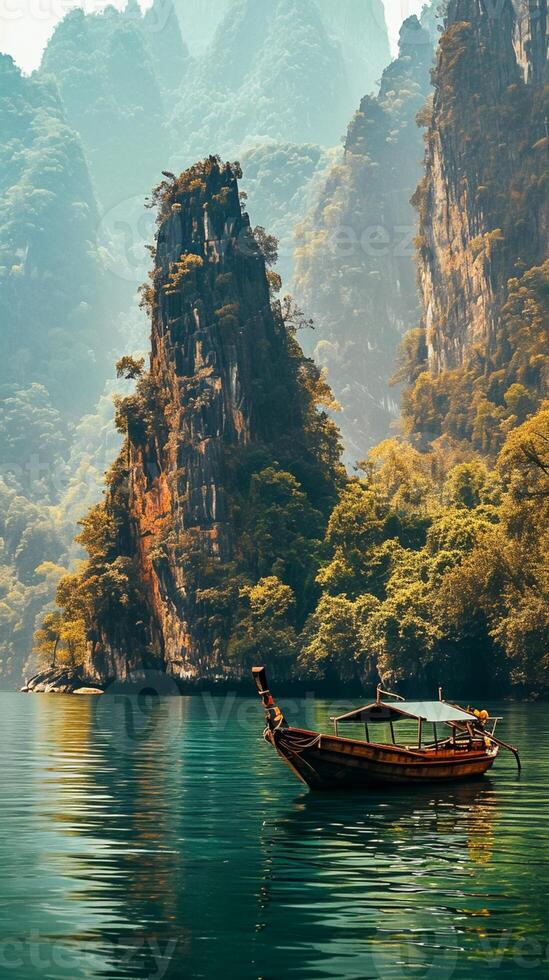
{"type": "Point", "coordinates": [357, 26]}
{"type": "Point", "coordinates": [279, 181]}
{"type": "Point", "coordinates": [105, 69]}
{"type": "Point", "coordinates": [57, 343]}
{"type": "Point", "coordinates": [281, 70]}
{"type": "Point", "coordinates": [270, 72]}
{"type": "Point", "coordinates": [354, 260]}
{"type": "Point", "coordinates": [438, 555]}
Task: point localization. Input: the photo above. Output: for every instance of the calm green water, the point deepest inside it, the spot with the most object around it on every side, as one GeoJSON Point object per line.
{"type": "Point", "coordinates": [167, 840]}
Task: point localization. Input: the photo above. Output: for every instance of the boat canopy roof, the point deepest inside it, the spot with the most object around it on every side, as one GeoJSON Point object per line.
{"type": "Point", "coordinates": [425, 710]}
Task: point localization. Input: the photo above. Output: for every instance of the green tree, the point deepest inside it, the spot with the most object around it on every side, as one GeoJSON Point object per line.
{"type": "Point", "coordinates": [283, 532]}
{"type": "Point", "coordinates": [48, 637]}
{"type": "Point", "coordinates": [465, 484]}
{"type": "Point", "coordinates": [130, 368]}
{"type": "Point", "coordinates": [265, 633]}
{"type": "Point", "coordinates": [332, 644]}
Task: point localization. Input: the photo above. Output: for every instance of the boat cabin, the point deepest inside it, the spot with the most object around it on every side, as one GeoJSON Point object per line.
{"type": "Point", "coordinates": [464, 724]}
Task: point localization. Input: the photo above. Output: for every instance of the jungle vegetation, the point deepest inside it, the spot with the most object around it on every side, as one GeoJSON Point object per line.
{"type": "Point", "coordinates": [429, 567]}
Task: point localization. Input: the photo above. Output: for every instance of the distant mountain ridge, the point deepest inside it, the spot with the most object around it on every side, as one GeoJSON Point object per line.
{"type": "Point", "coordinates": [107, 76]}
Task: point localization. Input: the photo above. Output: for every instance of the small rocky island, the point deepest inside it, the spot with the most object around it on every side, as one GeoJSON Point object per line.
{"type": "Point", "coordinates": [221, 437]}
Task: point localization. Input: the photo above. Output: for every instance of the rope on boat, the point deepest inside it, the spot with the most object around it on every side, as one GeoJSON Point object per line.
{"type": "Point", "coordinates": [295, 747]}
{"type": "Point", "coordinates": [298, 745]}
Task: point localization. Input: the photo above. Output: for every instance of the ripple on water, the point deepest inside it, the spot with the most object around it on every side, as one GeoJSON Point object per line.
{"type": "Point", "coordinates": [182, 846]}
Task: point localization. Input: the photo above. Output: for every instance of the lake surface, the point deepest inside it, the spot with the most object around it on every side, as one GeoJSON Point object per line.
{"type": "Point", "coordinates": [165, 839]}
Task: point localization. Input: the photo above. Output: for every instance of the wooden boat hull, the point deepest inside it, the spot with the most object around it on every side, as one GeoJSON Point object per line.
{"type": "Point", "coordinates": [332, 762]}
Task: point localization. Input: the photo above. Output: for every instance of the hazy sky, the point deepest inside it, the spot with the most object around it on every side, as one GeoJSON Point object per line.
{"type": "Point", "coordinates": [25, 25]}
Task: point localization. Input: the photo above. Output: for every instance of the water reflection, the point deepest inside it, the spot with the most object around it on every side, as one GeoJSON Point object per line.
{"type": "Point", "coordinates": [376, 865]}
{"type": "Point", "coordinates": [164, 839]}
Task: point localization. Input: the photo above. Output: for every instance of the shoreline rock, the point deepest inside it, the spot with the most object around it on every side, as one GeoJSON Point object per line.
{"type": "Point", "coordinates": [64, 680]}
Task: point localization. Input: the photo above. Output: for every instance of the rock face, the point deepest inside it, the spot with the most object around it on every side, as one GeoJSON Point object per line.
{"type": "Point", "coordinates": [227, 395]}
{"type": "Point", "coordinates": [480, 365]}
{"type": "Point", "coordinates": [530, 39]}
{"type": "Point", "coordinates": [354, 271]}
{"type": "Point", "coordinates": [483, 201]}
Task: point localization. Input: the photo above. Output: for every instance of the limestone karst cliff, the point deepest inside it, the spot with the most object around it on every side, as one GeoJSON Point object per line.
{"type": "Point", "coordinates": [228, 471]}
{"type": "Point", "coordinates": [354, 266]}
{"type": "Point", "coordinates": [484, 236]}
{"type": "Point", "coordinates": [106, 66]}
{"type": "Point", "coordinates": [271, 72]}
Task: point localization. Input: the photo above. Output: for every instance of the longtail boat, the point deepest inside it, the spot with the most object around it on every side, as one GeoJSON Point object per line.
{"type": "Point", "coordinates": [332, 761]}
